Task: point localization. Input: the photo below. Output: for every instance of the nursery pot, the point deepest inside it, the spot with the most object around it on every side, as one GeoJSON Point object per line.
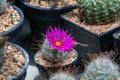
{"type": "Point", "coordinates": [41, 18]}
{"type": "Point", "coordinates": [15, 32]}
{"type": "Point", "coordinates": [80, 76]}
{"type": "Point", "coordinates": [22, 73]}
{"type": "Point", "coordinates": [116, 40]}
{"type": "Point", "coordinates": [96, 42]}
{"type": "Point", "coordinates": [42, 68]}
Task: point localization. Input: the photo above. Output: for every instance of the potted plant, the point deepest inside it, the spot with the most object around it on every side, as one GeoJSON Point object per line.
{"type": "Point", "coordinates": [45, 13]}
{"type": "Point", "coordinates": [116, 37]}
{"type": "Point", "coordinates": [14, 61]}
{"type": "Point", "coordinates": [104, 66]}
{"type": "Point", "coordinates": [56, 51]}
{"type": "Point", "coordinates": [11, 19]}
{"type": "Point", "coordinates": [96, 21]}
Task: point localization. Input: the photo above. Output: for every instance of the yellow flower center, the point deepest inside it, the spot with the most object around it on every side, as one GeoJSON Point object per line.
{"type": "Point", "coordinates": [58, 43]}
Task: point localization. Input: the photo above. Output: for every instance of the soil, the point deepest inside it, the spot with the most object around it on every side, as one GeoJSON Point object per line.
{"type": "Point", "coordinates": [51, 3]}
{"type": "Point", "coordinates": [13, 62]}
{"type": "Point", "coordinates": [9, 19]}
{"type": "Point", "coordinates": [42, 61]}
{"type": "Point", "coordinates": [73, 16]}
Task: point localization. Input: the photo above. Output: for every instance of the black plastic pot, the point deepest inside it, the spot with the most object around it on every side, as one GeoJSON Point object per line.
{"type": "Point", "coordinates": [79, 76]}
{"type": "Point", "coordinates": [15, 32]}
{"type": "Point", "coordinates": [96, 43]}
{"type": "Point", "coordinates": [43, 71]}
{"type": "Point", "coordinates": [116, 41]}
{"type": "Point", "coordinates": [41, 18]}
{"type": "Point", "coordinates": [17, 3]}
{"type": "Point", "coordinates": [22, 73]}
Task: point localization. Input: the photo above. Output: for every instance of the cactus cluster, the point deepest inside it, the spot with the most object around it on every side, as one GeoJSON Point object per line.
{"type": "Point", "coordinates": [62, 76]}
{"type": "Point", "coordinates": [99, 11]}
{"type": "Point", "coordinates": [52, 55]}
{"type": "Point", "coordinates": [3, 6]}
{"type": "Point", "coordinates": [102, 68]}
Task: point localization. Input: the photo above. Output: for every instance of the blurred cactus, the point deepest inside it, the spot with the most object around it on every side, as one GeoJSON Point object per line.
{"type": "Point", "coordinates": [62, 76]}
{"type": "Point", "coordinates": [102, 68]}
{"type": "Point", "coordinates": [3, 41]}
{"type": "Point", "coordinates": [99, 11]}
{"type": "Point", "coordinates": [3, 6]}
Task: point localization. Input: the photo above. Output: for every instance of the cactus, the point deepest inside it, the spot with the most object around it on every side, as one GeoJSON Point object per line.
{"type": "Point", "coordinates": [99, 11]}
{"type": "Point", "coordinates": [2, 47]}
{"type": "Point", "coordinates": [62, 76]}
{"type": "Point", "coordinates": [102, 68]}
{"type": "Point", "coordinates": [53, 55]}
{"type": "Point", "coordinates": [3, 6]}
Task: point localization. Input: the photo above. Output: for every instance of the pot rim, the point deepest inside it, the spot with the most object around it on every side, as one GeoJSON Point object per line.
{"type": "Point", "coordinates": [57, 66]}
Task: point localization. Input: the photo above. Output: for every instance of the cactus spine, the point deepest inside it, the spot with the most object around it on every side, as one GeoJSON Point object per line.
{"type": "Point", "coordinates": [99, 11]}
{"type": "Point", "coordinates": [62, 76]}
{"type": "Point", "coordinates": [102, 68]}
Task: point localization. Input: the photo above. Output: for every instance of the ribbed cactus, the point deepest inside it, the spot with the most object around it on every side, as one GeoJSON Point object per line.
{"type": "Point", "coordinates": [51, 54]}
{"type": "Point", "coordinates": [2, 47]}
{"type": "Point", "coordinates": [3, 6]}
{"type": "Point", "coordinates": [99, 11]}
{"type": "Point", "coordinates": [62, 76]}
{"type": "Point", "coordinates": [102, 68]}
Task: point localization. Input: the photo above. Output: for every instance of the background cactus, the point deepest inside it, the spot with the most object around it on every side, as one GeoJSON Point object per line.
{"type": "Point", "coordinates": [3, 6]}
{"type": "Point", "coordinates": [2, 47]}
{"type": "Point", "coordinates": [51, 54]}
{"type": "Point", "coordinates": [99, 11]}
{"type": "Point", "coordinates": [62, 76]}
{"type": "Point", "coordinates": [102, 68]}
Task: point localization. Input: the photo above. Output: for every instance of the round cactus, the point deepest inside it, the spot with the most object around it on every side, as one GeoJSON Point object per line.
{"type": "Point", "coordinates": [62, 76]}
{"type": "Point", "coordinates": [102, 68]}
{"type": "Point", "coordinates": [52, 55]}
{"type": "Point", "coordinates": [99, 11]}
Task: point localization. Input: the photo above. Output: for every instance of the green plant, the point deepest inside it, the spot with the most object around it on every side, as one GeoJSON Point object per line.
{"type": "Point", "coordinates": [62, 76]}
{"type": "Point", "coordinates": [58, 44]}
{"type": "Point", "coordinates": [102, 68]}
{"type": "Point", "coordinates": [3, 41]}
{"type": "Point", "coordinates": [53, 55]}
{"type": "Point", "coordinates": [99, 11]}
{"type": "Point", "coordinates": [3, 6]}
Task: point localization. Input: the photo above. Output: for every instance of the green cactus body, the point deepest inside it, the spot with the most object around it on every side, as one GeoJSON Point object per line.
{"type": "Point", "coordinates": [62, 76]}
{"type": "Point", "coordinates": [53, 55]}
{"type": "Point", "coordinates": [99, 11]}
{"type": "Point", "coordinates": [3, 6]}
{"type": "Point", "coordinates": [102, 69]}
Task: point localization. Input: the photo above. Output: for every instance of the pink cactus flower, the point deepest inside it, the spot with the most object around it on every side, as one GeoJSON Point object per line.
{"type": "Point", "coordinates": [60, 40]}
